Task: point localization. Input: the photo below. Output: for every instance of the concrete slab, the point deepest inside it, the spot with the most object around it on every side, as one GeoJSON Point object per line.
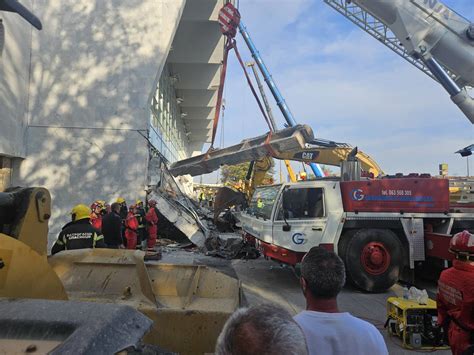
{"type": "Point", "coordinates": [267, 281]}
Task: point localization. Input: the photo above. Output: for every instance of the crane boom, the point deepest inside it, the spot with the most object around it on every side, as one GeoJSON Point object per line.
{"type": "Point", "coordinates": [285, 110]}
{"type": "Point", "coordinates": [291, 173]}
{"type": "Point", "coordinates": [427, 33]}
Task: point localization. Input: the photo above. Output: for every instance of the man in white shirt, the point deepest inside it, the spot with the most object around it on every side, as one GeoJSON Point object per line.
{"type": "Point", "coordinates": [327, 330]}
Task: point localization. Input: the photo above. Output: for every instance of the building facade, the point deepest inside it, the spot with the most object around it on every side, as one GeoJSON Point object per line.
{"type": "Point", "coordinates": [85, 102]}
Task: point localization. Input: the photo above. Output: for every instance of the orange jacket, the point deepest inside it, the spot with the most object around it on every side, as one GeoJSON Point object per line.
{"type": "Point", "coordinates": [131, 221]}
{"type": "Point", "coordinates": [152, 221]}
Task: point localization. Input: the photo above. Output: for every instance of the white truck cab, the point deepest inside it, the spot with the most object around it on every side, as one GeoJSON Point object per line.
{"type": "Point", "coordinates": [378, 227]}
{"type": "Point", "coordinates": [313, 214]}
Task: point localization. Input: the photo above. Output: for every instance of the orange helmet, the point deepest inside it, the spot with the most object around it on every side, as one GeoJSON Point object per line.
{"type": "Point", "coordinates": [462, 244]}
{"type": "Point", "coordinates": [152, 203]}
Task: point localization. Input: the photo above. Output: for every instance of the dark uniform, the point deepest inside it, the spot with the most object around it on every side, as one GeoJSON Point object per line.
{"type": "Point", "coordinates": [123, 215]}
{"type": "Point", "coordinates": [112, 230]}
{"type": "Point", "coordinates": [78, 235]}
{"type": "Point", "coordinates": [140, 216]}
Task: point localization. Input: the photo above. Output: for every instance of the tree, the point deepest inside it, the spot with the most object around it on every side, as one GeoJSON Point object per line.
{"type": "Point", "coordinates": [232, 174]}
{"type": "Point", "coordinates": [327, 170]}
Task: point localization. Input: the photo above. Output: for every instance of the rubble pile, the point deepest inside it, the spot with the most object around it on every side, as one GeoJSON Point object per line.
{"type": "Point", "coordinates": [229, 246]}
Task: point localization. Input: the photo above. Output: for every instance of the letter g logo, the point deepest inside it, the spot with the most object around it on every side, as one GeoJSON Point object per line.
{"type": "Point", "coordinates": [298, 238]}
{"type": "Point", "coordinates": [357, 195]}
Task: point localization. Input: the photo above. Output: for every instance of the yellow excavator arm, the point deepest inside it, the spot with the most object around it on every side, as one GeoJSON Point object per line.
{"type": "Point", "coordinates": [290, 171]}
{"type": "Point", "coordinates": [259, 168]}
{"type": "Point", "coordinates": [331, 156]}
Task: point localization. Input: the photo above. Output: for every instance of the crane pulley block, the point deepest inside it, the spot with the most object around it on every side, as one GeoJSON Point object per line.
{"type": "Point", "coordinates": [229, 19]}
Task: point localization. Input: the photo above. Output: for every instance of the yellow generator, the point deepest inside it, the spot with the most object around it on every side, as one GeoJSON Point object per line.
{"type": "Point", "coordinates": [415, 324]}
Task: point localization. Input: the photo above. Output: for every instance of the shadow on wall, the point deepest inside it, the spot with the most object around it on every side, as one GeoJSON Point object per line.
{"type": "Point", "coordinates": [14, 76]}
{"type": "Point", "coordinates": [93, 70]}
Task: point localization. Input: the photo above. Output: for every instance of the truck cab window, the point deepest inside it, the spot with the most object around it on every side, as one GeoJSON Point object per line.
{"type": "Point", "coordinates": [262, 202]}
{"type": "Point", "coordinates": [305, 203]}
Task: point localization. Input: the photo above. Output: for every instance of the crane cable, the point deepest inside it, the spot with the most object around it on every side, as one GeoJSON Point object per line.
{"type": "Point", "coordinates": [229, 20]}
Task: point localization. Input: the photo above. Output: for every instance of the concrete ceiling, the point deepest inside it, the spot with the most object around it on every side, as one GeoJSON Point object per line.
{"type": "Point", "coordinates": [195, 59]}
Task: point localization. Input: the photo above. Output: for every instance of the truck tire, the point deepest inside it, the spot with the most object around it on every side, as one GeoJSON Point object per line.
{"type": "Point", "coordinates": [373, 259]}
{"type": "Point", "coordinates": [343, 241]}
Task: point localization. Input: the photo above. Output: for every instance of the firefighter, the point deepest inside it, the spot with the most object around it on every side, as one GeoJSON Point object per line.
{"type": "Point", "coordinates": [97, 209]}
{"type": "Point", "coordinates": [140, 215]}
{"type": "Point", "coordinates": [131, 227]}
{"type": "Point", "coordinates": [123, 215]}
{"type": "Point", "coordinates": [152, 223]}
{"type": "Point", "coordinates": [79, 233]}
{"type": "Point", "coordinates": [123, 207]}
{"type": "Point", "coordinates": [455, 298]}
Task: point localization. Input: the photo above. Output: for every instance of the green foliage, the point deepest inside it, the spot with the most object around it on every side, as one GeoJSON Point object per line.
{"type": "Point", "coordinates": [327, 170]}
{"type": "Point", "coordinates": [231, 174]}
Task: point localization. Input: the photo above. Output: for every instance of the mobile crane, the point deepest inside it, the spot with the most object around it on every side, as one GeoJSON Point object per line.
{"type": "Point", "coordinates": [379, 227]}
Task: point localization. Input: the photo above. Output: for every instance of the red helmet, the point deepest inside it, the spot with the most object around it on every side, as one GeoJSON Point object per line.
{"type": "Point", "coordinates": [152, 203]}
{"type": "Point", "coordinates": [462, 244]}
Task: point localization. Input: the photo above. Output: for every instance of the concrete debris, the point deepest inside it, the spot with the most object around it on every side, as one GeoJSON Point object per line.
{"type": "Point", "coordinates": [230, 246]}
{"type": "Point", "coordinates": [228, 222]}
{"type": "Point", "coordinates": [152, 255]}
{"type": "Point", "coordinates": [288, 139]}
{"type": "Point", "coordinates": [179, 213]}
{"type": "Point", "coordinates": [164, 242]}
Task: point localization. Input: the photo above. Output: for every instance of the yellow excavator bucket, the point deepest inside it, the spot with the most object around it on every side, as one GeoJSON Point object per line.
{"type": "Point", "coordinates": [189, 304]}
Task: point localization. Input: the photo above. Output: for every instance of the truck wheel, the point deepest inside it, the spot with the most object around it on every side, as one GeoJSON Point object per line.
{"type": "Point", "coordinates": [343, 241]}
{"type": "Point", "coordinates": [373, 259]}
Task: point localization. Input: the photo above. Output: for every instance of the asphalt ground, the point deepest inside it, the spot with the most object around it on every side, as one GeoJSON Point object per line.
{"type": "Point", "coordinates": [267, 281]}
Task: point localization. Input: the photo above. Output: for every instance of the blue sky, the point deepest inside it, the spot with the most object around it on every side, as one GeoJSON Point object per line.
{"type": "Point", "coordinates": [347, 87]}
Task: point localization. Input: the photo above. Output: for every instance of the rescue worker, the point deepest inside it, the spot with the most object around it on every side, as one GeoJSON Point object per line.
{"type": "Point", "coordinates": [140, 215]}
{"type": "Point", "coordinates": [131, 227]}
{"type": "Point", "coordinates": [123, 215]}
{"type": "Point", "coordinates": [123, 207]}
{"type": "Point", "coordinates": [96, 214]}
{"type": "Point", "coordinates": [303, 176]}
{"type": "Point", "coordinates": [455, 298]}
{"type": "Point", "coordinates": [79, 233]}
{"type": "Point", "coordinates": [152, 223]}
{"type": "Point", "coordinates": [260, 203]}
{"type": "Point", "coordinates": [201, 197]}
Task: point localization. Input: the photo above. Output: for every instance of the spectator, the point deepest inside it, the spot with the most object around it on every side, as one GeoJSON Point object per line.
{"type": "Point", "coordinates": [261, 330]}
{"type": "Point", "coordinates": [112, 227]}
{"type": "Point", "coordinates": [329, 331]}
